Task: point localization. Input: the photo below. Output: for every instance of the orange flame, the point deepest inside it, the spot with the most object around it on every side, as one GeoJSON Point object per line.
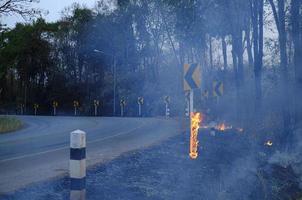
{"type": "Point", "coordinates": [196, 119]}
{"type": "Point", "coordinates": [269, 143]}
{"type": "Point", "coordinates": [222, 127]}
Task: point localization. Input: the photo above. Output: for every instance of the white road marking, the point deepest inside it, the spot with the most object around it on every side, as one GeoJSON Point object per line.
{"type": "Point", "coordinates": [62, 148]}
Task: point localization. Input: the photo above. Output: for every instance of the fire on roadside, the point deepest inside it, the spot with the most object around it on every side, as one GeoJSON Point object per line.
{"type": "Point", "coordinates": [196, 119]}
{"type": "Point", "coordinates": [269, 143]}
{"type": "Point", "coordinates": [222, 127]}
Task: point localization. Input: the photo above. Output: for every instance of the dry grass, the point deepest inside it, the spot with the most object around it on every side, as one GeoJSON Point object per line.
{"type": "Point", "coordinates": [9, 124]}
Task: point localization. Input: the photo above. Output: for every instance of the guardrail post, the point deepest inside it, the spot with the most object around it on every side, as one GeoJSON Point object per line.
{"type": "Point", "coordinates": [77, 165]}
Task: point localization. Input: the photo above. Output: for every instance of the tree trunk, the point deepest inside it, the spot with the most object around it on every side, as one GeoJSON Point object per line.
{"type": "Point", "coordinates": [211, 52]}
{"type": "Point", "coordinates": [297, 43]}
{"type": "Point", "coordinates": [280, 23]}
{"type": "Point", "coordinates": [257, 24]}
{"type": "Point", "coordinates": [224, 53]}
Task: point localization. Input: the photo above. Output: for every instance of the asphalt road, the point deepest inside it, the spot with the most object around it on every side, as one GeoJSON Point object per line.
{"type": "Point", "coordinates": [40, 151]}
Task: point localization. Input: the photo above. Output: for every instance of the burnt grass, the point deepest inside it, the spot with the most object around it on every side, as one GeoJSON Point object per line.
{"type": "Point", "coordinates": [226, 168]}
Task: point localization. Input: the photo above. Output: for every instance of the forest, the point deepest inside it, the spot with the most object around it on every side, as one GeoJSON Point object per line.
{"type": "Point", "coordinates": [132, 48]}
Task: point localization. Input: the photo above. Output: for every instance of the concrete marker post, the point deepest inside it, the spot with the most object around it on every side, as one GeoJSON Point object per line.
{"type": "Point", "coordinates": [167, 110]}
{"type": "Point", "coordinates": [77, 165]}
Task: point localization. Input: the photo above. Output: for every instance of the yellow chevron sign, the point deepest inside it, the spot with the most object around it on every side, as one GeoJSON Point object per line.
{"type": "Point", "coordinates": [217, 89]}
{"type": "Point", "coordinates": [192, 76]}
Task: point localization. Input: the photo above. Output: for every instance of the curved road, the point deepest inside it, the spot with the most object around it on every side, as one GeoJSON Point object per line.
{"type": "Point", "coordinates": [41, 150]}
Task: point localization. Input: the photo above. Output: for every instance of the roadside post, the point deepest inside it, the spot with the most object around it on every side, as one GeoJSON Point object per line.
{"type": "Point", "coordinates": [96, 105]}
{"type": "Point", "coordinates": [187, 100]}
{"type": "Point", "coordinates": [36, 106]}
{"type": "Point", "coordinates": [77, 165]}
{"type": "Point", "coordinates": [122, 104]}
{"type": "Point", "coordinates": [140, 101]}
{"type": "Point", "coordinates": [55, 105]}
{"type": "Point", "coordinates": [75, 105]}
{"type": "Point", "coordinates": [218, 89]}
{"type": "Point", "coordinates": [167, 100]}
{"type": "Point", "coordinates": [22, 108]}
{"type": "Point", "coordinates": [192, 81]}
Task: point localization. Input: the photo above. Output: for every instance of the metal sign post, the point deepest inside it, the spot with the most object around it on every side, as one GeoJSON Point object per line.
{"type": "Point", "coordinates": [122, 111]}
{"type": "Point", "coordinates": [167, 102]}
{"type": "Point", "coordinates": [122, 104]}
{"type": "Point", "coordinates": [36, 106]}
{"type": "Point", "coordinates": [55, 105]}
{"type": "Point", "coordinates": [192, 80]}
{"type": "Point", "coordinates": [140, 101]}
{"type": "Point", "coordinates": [191, 101]}
{"type": "Point", "coordinates": [96, 103]}
{"type": "Point", "coordinates": [76, 105]}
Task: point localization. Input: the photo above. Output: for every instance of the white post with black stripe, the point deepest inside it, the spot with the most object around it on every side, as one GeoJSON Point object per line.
{"type": "Point", "coordinates": [77, 165]}
{"type": "Point", "coordinates": [167, 110]}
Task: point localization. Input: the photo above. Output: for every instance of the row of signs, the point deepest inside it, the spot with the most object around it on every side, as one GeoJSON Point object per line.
{"type": "Point", "coordinates": [55, 104]}
{"type": "Point", "coordinates": [140, 100]}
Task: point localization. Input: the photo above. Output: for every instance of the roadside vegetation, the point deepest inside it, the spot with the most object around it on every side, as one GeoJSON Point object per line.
{"type": "Point", "coordinates": [9, 124]}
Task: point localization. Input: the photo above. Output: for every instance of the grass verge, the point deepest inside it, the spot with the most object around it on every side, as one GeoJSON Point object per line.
{"type": "Point", "coordinates": [9, 124]}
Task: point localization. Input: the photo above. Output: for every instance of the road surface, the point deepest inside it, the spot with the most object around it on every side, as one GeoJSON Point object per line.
{"type": "Point", "coordinates": [40, 151]}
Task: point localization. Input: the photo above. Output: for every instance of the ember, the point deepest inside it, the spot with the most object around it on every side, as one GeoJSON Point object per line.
{"type": "Point", "coordinates": [269, 143]}
{"type": "Point", "coordinates": [222, 127]}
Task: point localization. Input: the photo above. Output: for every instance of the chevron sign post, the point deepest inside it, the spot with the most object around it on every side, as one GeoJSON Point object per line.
{"type": "Point", "coordinates": [122, 104]}
{"type": "Point", "coordinates": [140, 101]}
{"type": "Point", "coordinates": [167, 100]}
{"type": "Point", "coordinates": [192, 80]}
{"type": "Point", "coordinates": [218, 88]}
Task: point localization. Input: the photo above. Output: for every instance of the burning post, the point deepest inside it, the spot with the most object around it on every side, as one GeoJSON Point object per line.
{"type": "Point", "coordinates": [195, 121]}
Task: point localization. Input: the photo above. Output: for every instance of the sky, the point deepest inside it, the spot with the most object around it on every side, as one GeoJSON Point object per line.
{"type": "Point", "coordinates": [54, 8]}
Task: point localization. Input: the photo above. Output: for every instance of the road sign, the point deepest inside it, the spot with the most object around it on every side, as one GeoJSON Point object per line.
{"type": "Point", "coordinates": [122, 102]}
{"type": "Point", "coordinates": [167, 99]}
{"type": "Point", "coordinates": [140, 100]}
{"type": "Point", "coordinates": [218, 88]}
{"type": "Point", "coordinates": [76, 103]}
{"type": "Point", "coordinates": [36, 106]}
{"type": "Point", "coordinates": [192, 77]}
{"type": "Point", "coordinates": [55, 104]}
{"type": "Point", "coordinates": [96, 102]}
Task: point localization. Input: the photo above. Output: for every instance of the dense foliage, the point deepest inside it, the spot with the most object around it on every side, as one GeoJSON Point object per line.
{"type": "Point", "coordinates": [142, 45]}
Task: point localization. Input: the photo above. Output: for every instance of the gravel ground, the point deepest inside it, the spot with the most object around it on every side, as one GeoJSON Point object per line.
{"type": "Point", "coordinates": [225, 169]}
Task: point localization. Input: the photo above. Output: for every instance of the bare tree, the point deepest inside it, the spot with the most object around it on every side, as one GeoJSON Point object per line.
{"type": "Point", "coordinates": [257, 26]}
{"type": "Point", "coordinates": [19, 7]}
